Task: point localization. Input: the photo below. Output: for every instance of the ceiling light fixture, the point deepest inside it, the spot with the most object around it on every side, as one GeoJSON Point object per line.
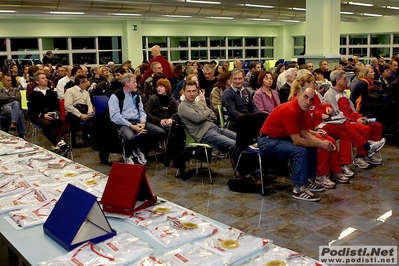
{"type": "Point", "coordinates": [261, 6]}
{"type": "Point", "coordinates": [393, 7]}
{"type": "Point", "coordinates": [222, 18]}
{"type": "Point", "coordinates": [260, 19]}
{"type": "Point", "coordinates": [359, 4]}
{"type": "Point", "coordinates": [203, 2]}
{"type": "Point", "coordinates": [299, 8]}
{"type": "Point", "coordinates": [372, 15]}
{"type": "Point", "coordinates": [289, 20]}
{"type": "Point", "coordinates": [66, 13]}
{"type": "Point", "coordinates": [177, 16]}
{"type": "Point", "coordinates": [346, 13]}
{"type": "Point", "coordinates": [126, 14]}
{"type": "Point", "coordinates": [7, 11]}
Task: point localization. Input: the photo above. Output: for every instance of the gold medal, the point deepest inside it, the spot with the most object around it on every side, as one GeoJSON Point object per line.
{"type": "Point", "coordinates": [70, 174]}
{"type": "Point", "coordinates": [230, 243]}
{"type": "Point", "coordinates": [162, 209]}
{"type": "Point", "coordinates": [91, 182]}
{"type": "Point", "coordinates": [189, 225]}
{"type": "Point", "coordinates": [275, 263]}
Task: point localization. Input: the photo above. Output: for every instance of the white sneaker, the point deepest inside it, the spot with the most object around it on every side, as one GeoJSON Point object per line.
{"type": "Point", "coordinates": [346, 171]}
{"type": "Point", "coordinates": [375, 146]}
{"type": "Point", "coordinates": [359, 162]}
{"type": "Point", "coordinates": [129, 160]}
{"type": "Point", "coordinates": [341, 178]}
{"type": "Point", "coordinates": [324, 181]}
{"type": "Point", "coordinates": [372, 160]}
{"type": "Point", "coordinates": [60, 144]}
{"type": "Point", "coordinates": [254, 146]}
{"type": "Point", "coordinates": [140, 156]}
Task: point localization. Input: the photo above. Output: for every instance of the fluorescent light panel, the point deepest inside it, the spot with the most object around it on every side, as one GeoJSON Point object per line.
{"type": "Point", "coordinates": [259, 19]}
{"type": "Point", "coordinates": [126, 14]}
{"type": "Point", "coordinates": [66, 13]}
{"type": "Point", "coordinates": [346, 13]}
{"type": "Point", "coordinates": [289, 20]}
{"type": "Point", "coordinates": [203, 2]}
{"type": "Point", "coordinates": [177, 16]}
{"type": "Point", "coordinates": [359, 4]}
{"type": "Point", "coordinates": [372, 15]}
{"type": "Point", "coordinates": [222, 17]}
{"type": "Point", "coordinates": [299, 8]}
{"type": "Point", "coordinates": [7, 11]}
{"type": "Point", "coordinates": [393, 7]}
{"type": "Point", "coordinates": [261, 6]}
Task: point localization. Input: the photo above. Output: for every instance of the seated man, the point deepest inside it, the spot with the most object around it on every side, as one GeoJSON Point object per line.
{"type": "Point", "coordinates": [200, 121]}
{"type": "Point", "coordinates": [10, 102]}
{"type": "Point", "coordinates": [126, 111]}
{"type": "Point", "coordinates": [370, 131]}
{"type": "Point", "coordinates": [284, 134]}
{"type": "Point", "coordinates": [237, 99]}
{"type": "Point", "coordinates": [44, 109]}
{"type": "Point", "coordinates": [78, 106]}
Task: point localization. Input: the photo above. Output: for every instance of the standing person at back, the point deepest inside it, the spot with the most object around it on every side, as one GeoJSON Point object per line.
{"type": "Point", "coordinates": [237, 99]}
{"type": "Point", "coordinates": [157, 57]}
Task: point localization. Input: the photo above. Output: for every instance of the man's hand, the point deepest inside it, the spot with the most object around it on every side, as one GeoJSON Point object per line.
{"type": "Point", "coordinates": [327, 145]}
{"type": "Point", "coordinates": [362, 120]}
{"type": "Point", "coordinates": [322, 133]}
{"type": "Point", "coordinates": [139, 129]}
{"type": "Point", "coordinates": [84, 117]}
{"type": "Point", "coordinates": [48, 117]}
{"type": "Point", "coordinates": [165, 122]}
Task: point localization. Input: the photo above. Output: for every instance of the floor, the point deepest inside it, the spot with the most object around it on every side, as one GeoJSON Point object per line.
{"type": "Point", "coordinates": [351, 214]}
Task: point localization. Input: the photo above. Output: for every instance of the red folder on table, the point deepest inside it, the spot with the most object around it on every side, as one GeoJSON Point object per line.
{"type": "Point", "coordinates": [127, 189]}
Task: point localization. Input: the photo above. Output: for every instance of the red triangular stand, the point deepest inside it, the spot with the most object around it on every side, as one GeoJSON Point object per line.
{"type": "Point", "coordinates": [77, 218]}
{"type": "Point", "coordinates": [127, 190]}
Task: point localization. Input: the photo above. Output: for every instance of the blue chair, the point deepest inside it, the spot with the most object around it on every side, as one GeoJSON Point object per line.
{"type": "Point", "coordinates": [100, 103]}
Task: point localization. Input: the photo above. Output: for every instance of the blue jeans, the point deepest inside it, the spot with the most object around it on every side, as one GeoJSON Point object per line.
{"type": "Point", "coordinates": [154, 134]}
{"type": "Point", "coordinates": [304, 159]}
{"type": "Point", "coordinates": [220, 138]}
{"type": "Point", "coordinates": [13, 110]}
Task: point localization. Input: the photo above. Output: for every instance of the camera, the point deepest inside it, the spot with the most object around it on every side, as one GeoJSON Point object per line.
{"type": "Point", "coordinates": [54, 115]}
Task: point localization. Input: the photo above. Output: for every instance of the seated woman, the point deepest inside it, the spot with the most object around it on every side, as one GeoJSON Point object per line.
{"type": "Point", "coordinates": [266, 97]}
{"type": "Point", "coordinates": [161, 110]}
{"type": "Point", "coordinates": [223, 83]}
{"type": "Point", "coordinates": [323, 84]}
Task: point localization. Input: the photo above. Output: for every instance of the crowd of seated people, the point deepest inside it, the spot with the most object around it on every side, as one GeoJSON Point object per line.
{"type": "Point", "coordinates": [143, 105]}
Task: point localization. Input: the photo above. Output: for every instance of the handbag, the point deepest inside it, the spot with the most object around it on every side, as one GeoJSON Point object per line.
{"type": "Point", "coordinates": [82, 108]}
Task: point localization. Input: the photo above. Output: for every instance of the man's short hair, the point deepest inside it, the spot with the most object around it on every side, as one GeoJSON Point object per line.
{"type": "Point", "coordinates": [37, 74]}
{"type": "Point", "coordinates": [190, 70]}
{"type": "Point", "coordinates": [120, 70]}
{"type": "Point", "coordinates": [336, 74]}
{"type": "Point", "coordinates": [300, 72]}
{"type": "Point", "coordinates": [80, 78]}
{"type": "Point", "coordinates": [289, 72]}
{"type": "Point", "coordinates": [32, 70]}
{"type": "Point", "coordinates": [253, 64]}
{"type": "Point", "coordinates": [318, 71]}
{"type": "Point", "coordinates": [237, 70]}
{"type": "Point", "coordinates": [383, 67]}
{"type": "Point", "coordinates": [208, 68]}
{"type": "Point", "coordinates": [126, 78]}
{"type": "Point", "coordinates": [190, 83]}
{"type": "Point", "coordinates": [153, 64]}
{"type": "Point", "coordinates": [75, 69]}
{"type": "Point", "coordinates": [302, 89]}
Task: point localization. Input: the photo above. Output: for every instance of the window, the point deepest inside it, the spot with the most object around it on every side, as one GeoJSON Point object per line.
{"type": "Point", "coordinates": [55, 44]}
{"type": "Point", "coordinates": [179, 55]}
{"type": "Point", "coordinates": [299, 41]}
{"type": "Point", "coordinates": [342, 40]}
{"type": "Point", "coordinates": [235, 41]}
{"type": "Point", "coordinates": [217, 54]}
{"type": "Point", "coordinates": [217, 41]}
{"type": "Point", "coordinates": [3, 44]}
{"type": "Point", "coordinates": [380, 51]}
{"type": "Point", "coordinates": [161, 41]}
{"type": "Point", "coordinates": [24, 44]}
{"type": "Point", "coordinates": [251, 42]}
{"type": "Point", "coordinates": [61, 59]}
{"type": "Point", "coordinates": [251, 53]}
{"type": "Point", "coordinates": [380, 39]}
{"type": "Point", "coordinates": [199, 55]}
{"type": "Point", "coordinates": [357, 39]}
{"type": "Point", "coordinates": [266, 53]}
{"type": "Point", "coordinates": [84, 58]}
{"type": "Point", "coordinates": [198, 42]}
{"type": "Point", "coordinates": [235, 54]}
{"type": "Point", "coordinates": [114, 56]}
{"type": "Point", "coordinates": [178, 42]}
{"type": "Point", "coordinates": [84, 43]}
{"type": "Point", "coordinates": [361, 52]}
{"type": "Point", "coordinates": [109, 43]}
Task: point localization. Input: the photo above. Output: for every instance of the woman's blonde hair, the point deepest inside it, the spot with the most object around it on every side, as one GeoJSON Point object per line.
{"type": "Point", "coordinates": [297, 84]}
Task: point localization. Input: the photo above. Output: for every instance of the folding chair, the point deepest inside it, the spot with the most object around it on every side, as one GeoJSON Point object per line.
{"type": "Point", "coordinates": [190, 143]}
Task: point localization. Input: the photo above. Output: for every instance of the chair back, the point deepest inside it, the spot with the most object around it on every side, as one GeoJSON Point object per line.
{"type": "Point", "coordinates": [24, 101]}
{"type": "Point", "coordinates": [62, 109]}
{"type": "Point", "coordinates": [248, 127]}
{"type": "Point", "coordinates": [100, 103]}
{"type": "Point", "coordinates": [221, 115]}
{"type": "Point", "coordinates": [189, 138]}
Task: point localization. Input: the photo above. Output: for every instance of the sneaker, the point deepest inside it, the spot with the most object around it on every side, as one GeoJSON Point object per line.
{"type": "Point", "coordinates": [324, 181]}
{"type": "Point", "coordinates": [129, 160]}
{"type": "Point", "coordinates": [305, 194]}
{"type": "Point", "coordinates": [359, 162]}
{"type": "Point", "coordinates": [346, 171]}
{"type": "Point", "coordinates": [375, 146]}
{"type": "Point", "coordinates": [341, 178]}
{"type": "Point", "coordinates": [63, 150]}
{"type": "Point", "coordinates": [254, 146]}
{"type": "Point", "coordinates": [140, 156]}
{"type": "Point", "coordinates": [313, 187]}
{"type": "Point", "coordinates": [372, 160]}
{"type": "Point", "coordinates": [59, 144]}
{"type": "Point", "coordinates": [13, 127]}
{"type": "Point", "coordinates": [217, 153]}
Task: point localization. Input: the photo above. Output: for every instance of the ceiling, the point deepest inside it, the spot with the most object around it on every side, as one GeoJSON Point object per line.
{"type": "Point", "coordinates": [157, 9]}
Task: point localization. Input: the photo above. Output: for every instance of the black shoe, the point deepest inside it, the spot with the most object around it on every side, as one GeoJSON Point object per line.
{"type": "Point", "coordinates": [63, 150]}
